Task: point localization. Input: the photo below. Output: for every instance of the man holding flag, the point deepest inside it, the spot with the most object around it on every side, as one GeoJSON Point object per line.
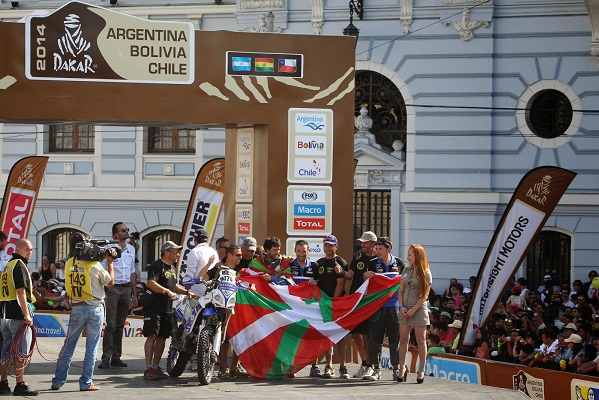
{"type": "Point", "coordinates": [270, 264]}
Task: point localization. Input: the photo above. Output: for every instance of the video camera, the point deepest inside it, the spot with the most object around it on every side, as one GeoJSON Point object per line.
{"type": "Point", "coordinates": [94, 249]}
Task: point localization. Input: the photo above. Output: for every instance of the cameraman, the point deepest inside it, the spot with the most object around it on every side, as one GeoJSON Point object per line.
{"type": "Point", "coordinates": [85, 285]}
{"type": "Point", "coordinates": [118, 299]}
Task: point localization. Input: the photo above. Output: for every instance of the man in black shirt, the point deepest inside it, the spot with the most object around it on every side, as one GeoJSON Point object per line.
{"type": "Point", "coordinates": [329, 278]}
{"type": "Point", "coordinates": [162, 281]}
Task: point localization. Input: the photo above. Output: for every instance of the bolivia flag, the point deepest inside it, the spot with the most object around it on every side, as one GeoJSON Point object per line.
{"type": "Point", "coordinates": [241, 63]}
{"type": "Point", "coordinates": [278, 330]}
{"type": "Point", "coordinates": [265, 65]}
{"type": "Point", "coordinates": [287, 65]}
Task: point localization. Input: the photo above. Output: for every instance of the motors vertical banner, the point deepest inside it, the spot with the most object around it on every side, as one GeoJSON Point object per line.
{"type": "Point", "coordinates": [22, 188]}
{"type": "Point", "coordinates": [529, 208]}
{"type": "Point", "coordinates": [205, 206]}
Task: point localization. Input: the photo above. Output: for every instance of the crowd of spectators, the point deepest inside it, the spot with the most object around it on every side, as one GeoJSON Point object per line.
{"type": "Point", "coordinates": [554, 327]}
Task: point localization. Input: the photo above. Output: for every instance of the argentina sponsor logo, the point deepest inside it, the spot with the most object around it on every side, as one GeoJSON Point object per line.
{"type": "Point", "coordinates": [310, 145]}
{"type": "Point", "coordinates": [310, 167]}
{"type": "Point", "coordinates": [311, 123]}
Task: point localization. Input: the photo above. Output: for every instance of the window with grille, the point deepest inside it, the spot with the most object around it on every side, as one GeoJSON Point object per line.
{"type": "Point", "coordinates": [171, 140]}
{"type": "Point", "coordinates": [152, 242]}
{"type": "Point", "coordinates": [72, 138]}
{"type": "Point", "coordinates": [372, 212]}
{"type": "Point", "coordinates": [56, 243]}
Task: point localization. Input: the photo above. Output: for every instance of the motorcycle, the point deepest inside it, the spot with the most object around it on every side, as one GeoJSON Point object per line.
{"type": "Point", "coordinates": [203, 325]}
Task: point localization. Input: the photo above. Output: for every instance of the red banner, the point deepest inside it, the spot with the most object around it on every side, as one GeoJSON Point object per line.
{"type": "Point", "coordinates": [19, 199]}
{"type": "Point", "coordinates": [205, 206]}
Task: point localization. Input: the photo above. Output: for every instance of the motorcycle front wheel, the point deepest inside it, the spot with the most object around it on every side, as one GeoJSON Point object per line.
{"type": "Point", "coordinates": [176, 361]}
{"type": "Point", "coordinates": [205, 360]}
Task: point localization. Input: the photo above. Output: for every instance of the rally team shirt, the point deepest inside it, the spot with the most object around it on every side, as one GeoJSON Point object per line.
{"type": "Point", "coordinates": [359, 266]}
{"type": "Point", "coordinates": [166, 276]}
{"type": "Point", "coordinates": [301, 274]}
{"type": "Point", "coordinates": [393, 269]}
{"type": "Point", "coordinates": [326, 275]}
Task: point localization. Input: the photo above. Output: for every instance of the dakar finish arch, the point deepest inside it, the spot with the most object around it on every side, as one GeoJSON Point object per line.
{"type": "Point", "coordinates": [88, 64]}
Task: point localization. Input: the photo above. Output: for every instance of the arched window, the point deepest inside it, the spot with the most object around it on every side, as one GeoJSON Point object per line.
{"type": "Point", "coordinates": [56, 242]}
{"type": "Point", "coordinates": [549, 255]}
{"type": "Point", "coordinates": [385, 105]}
{"type": "Point", "coordinates": [152, 242]}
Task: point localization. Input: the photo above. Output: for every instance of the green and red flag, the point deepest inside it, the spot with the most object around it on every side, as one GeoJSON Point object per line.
{"type": "Point", "coordinates": [278, 330]}
{"type": "Point", "coordinates": [259, 267]}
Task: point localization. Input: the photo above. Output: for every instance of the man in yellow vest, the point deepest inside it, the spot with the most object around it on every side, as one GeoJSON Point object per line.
{"type": "Point", "coordinates": [85, 283]}
{"type": "Point", "coordinates": [16, 293]}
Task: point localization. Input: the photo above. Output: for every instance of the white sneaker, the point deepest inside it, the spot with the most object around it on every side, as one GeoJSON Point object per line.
{"type": "Point", "coordinates": [360, 373]}
{"type": "Point", "coordinates": [376, 375]}
{"type": "Point", "coordinates": [367, 373]}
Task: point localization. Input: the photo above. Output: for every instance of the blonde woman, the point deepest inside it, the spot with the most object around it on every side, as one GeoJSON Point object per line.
{"type": "Point", "coordinates": [416, 281]}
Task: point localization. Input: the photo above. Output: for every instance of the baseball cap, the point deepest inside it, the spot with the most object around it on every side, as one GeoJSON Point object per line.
{"type": "Point", "coordinates": [574, 338]}
{"type": "Point", "coordinates": [330, 239]}
{"type": "Point", "coordinates": [368, 236]}
{"type": "Point", "coordinates": [445, 314]}
{"type": "Point", "coordinates": [169, 245]}
{"type": "Point", "coordinates": [200, 233]}
{"type": "Point", "coordinates": [249, 243]}
{"type": "Point", "coordinates": [571, 326]}
{"type": "Point", "coordinates": [547, 277]}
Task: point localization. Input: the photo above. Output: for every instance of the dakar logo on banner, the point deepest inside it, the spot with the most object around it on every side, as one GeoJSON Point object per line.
{"type": "Point", "coordinates": [540, 190]}
{"type": "Point", "coordinates": [26, 177]}
{"type": "Point", "coordinates": [214, 176]}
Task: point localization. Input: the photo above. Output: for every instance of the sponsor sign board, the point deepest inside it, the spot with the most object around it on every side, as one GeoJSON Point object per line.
{"type": "Point", "coordinates": [309, 210]}
{"type": "Point", "coordinates": [243, 222]}
{"type": "Point", "coordinates": [453, 370]}
{"type": "Point", "coordinates": [529, 385]}
{"type": "Point", "coordinates": [245, 165]}
{"type": "Point", "coordinates": [82, 42]}
{"type": "Point", "coordinates": [310, 151]}
{"type": "Point", "coordinates": [584, 390]}
{"type": "Point", "coordinates": [315, 248]}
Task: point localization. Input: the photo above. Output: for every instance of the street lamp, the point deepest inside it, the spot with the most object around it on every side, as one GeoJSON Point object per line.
{"type": "Point", "coordinates": [356, 6]}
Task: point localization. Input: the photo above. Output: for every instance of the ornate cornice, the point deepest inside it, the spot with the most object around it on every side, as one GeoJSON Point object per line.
{"type": "Point", "coordinates": [253, 4]}
{"type": "Point", "coordinates": [466, 27]}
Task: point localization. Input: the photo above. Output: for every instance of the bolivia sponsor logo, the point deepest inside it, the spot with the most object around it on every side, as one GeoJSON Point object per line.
{"type": "Point", "coordinates": [310, 145]}
{"type": "Point", "coordinates": [17, 217]}
{"type": "Point", "coordinates": [309, 224]}
{"type": "Point", "coordinates": [312, 209]}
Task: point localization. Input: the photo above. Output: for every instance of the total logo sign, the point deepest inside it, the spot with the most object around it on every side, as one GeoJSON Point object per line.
{"type": "Point", "coordinates": [308, 210]}
{"type": "Point", "coordinates": [310, 145]}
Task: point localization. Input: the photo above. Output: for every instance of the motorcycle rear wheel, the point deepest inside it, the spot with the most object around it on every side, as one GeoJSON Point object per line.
{"type": "Point", "coordinates": [205, 361]}
{"type": "Point", "coordinates": [176, 361]}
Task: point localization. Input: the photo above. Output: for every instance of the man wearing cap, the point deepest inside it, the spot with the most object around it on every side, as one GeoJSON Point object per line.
{"type": "Point", "coordinates": [362, 262]}
{"type": "Point", "coordinates": [330, 279]}
{"type": "Point", "coordinates": [384, 320]}
{"type": "Point", "coordinates": [456, 328]}
{"type": "Point", "coordinates": [87, 283]}
{"type": "Point", "coordinates": [199, 260]}
{"type": "Point", "coordinates": [119, 299]}
{"type": "Point", "coordinates": [248, 250]}
{"type": "Point", "coordinates": [162, 281]}
{"type": "Point", "coordinates": [544, 289]}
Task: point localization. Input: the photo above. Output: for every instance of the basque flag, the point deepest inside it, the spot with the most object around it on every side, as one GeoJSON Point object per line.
{"type": "Point", "coordinates": [288, 65]}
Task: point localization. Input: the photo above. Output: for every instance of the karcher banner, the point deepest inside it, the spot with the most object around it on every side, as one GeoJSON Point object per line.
{"type": "Point", "coordinates": [532, 203]}
{"type": "Point", "coordinates": [205, 206]}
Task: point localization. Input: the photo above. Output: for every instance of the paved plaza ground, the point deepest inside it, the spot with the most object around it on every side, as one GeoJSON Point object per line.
{"type": "Point", "coordinates": [129, 383]}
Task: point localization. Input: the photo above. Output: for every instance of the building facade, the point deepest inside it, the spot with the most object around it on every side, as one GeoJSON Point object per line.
{"type": "Point", "coordinates": [455, 101]}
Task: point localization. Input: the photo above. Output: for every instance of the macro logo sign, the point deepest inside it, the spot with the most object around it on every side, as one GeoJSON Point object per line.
{"type": "Point", "coordinates": [311, 123]}
{"type": "Point", "coordinates": [309, 211]}
{"type": "Point", "coordinates": [82, 42]}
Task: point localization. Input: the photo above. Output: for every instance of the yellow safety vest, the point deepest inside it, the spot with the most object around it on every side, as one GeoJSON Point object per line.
{"type": "Point", "coordinates": [78, 282]}
{"type": "Point", "coordinates": [8, 292]}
